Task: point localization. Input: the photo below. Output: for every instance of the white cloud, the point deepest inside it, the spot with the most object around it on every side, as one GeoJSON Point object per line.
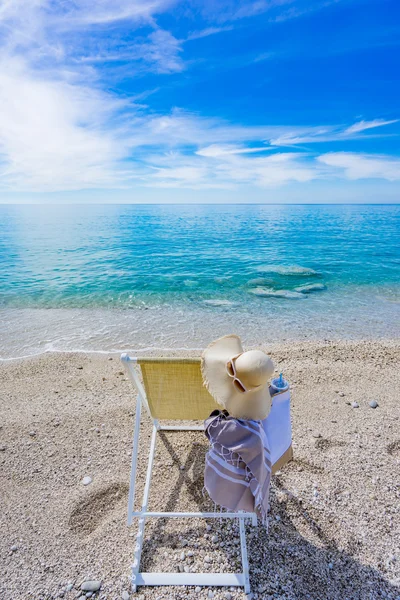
{"type": "Point", "coordinates": [363, 125]}
{"type": "Point", "coordinates": [227, 171]}
{"type": "Point", "coordinates": [53, 135]}
{"type": "Point", "coordinates": [363, 166]}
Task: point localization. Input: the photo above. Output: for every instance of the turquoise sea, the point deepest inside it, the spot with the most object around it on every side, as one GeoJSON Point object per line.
{"type": "Point", "coordinates": [113, 277]}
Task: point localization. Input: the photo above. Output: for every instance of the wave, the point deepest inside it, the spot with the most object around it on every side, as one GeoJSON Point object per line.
{"type": "Point", "coordinates": [310, 287]}
{"type": "Point", "coordinates": [270, 293]}
{"type": "Point", "coordinates": [287, 270]}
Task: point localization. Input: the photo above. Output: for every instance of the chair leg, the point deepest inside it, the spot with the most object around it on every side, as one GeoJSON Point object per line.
{"type": "Point", "coordinates": [140, 533]}
{"type": "Point", "coordinates": [245, 561]}
{"type": "Point", "coordinates": [132, 484]}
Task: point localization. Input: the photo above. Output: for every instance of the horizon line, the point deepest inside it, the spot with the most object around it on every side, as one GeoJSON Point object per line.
{"type": "Point", "coordinates": [200, 204]}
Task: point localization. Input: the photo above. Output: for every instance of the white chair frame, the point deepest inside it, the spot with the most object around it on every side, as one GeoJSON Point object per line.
{"type": "Point", "coordinates": [155, 579]}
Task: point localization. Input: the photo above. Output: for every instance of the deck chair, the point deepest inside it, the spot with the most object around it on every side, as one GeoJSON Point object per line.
{"type": "Point", "coordinates": [160, 394]}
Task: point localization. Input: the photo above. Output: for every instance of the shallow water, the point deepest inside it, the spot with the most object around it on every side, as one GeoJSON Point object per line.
{"type": "Point", "coordinates": [111, 277]}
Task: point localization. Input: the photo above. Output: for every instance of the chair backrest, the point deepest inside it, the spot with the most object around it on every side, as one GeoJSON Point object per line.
{"type": "Point", "coordinates": [174, 389]}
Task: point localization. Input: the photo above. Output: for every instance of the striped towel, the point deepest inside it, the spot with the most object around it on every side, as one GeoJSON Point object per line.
{"type": "Point", "coordinates": [238, 464]}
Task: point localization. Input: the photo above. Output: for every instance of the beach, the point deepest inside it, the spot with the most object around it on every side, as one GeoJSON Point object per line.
{"type": "Point", "coordinates": [334, 518]}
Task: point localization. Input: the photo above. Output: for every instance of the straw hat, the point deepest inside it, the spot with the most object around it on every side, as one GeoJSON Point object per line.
{"type": "Point", "coordinates": [236, 379]}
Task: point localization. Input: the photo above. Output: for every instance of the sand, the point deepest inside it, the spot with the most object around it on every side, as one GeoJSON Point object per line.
{"type": "Point", "coordinates": [334, 519]}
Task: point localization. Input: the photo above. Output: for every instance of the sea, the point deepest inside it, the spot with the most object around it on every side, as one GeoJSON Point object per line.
{"type": "Point", "coordinates": [110, 278]}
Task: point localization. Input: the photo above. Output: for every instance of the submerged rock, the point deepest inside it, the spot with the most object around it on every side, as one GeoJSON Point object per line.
{"type": "Point", "coordinates": [271, 293]}
{"type": "Point", "coordinates": [311, 287]}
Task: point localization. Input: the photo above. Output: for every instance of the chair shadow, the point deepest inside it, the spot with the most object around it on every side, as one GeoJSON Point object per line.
{"type": "Point", "coordinates": [283, 563]}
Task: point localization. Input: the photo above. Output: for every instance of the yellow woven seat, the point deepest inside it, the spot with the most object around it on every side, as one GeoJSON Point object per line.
{"type": "Point", "coordinates": [174, 389]}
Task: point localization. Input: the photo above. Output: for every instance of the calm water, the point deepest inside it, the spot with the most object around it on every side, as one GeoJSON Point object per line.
{"type": "Point", "coordinates": [115, 277]}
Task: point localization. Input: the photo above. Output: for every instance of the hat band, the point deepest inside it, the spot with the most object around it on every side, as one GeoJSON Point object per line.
{"type": "Point", "coordinates": [231, 370]}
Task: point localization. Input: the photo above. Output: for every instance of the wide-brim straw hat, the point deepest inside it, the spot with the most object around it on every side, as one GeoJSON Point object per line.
{"type": "Point", "coordinates": [244, 389]}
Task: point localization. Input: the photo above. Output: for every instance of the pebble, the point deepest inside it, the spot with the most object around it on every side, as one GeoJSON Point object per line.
{"type": "Point", "coordinates": [355, 405]}
{"type": "Point", "coordinates": [91, 586]}
{"type": "Point", "coordinates": [32, 433]}
{"type": "Point", "coordinates": [197, 589]}
{"type": "Point", "coordinates": [182, 556]}
{"type": "Point", "coordinates": [316, 434]}
{"type": "Point", "coordinates": [208, 559]}
{"type": "Point", "coordinates": [69, 587]}
{"type": "Point", "coordinates": [2, 448]}
{"type": "Point", "coordinates": [228, 596]}
{"type": "Point", "coordinates": [214, 539]}
{"type": "Point", "coordinates": [14, 548]}
{"type": "Point", "coordinates": [341, 394]}
{"type": "Point", "coordinates": [210, 594]}
{"type": "Point", "coordinates": [190, 553]}
{"type": "Point", "coordinates": [86, 480]}
{"type": "Point", "coordinates": [373, 404]}
{"type": "Point", "coordinates": [208, 527]}
{"type": "Point", "coordinates": [125, 595]}
{"type": "Point", "coordinates": [184, 542]}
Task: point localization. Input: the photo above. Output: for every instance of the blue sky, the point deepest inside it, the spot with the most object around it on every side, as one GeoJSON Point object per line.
{"type": "Point", "coordinates": [199, 101]}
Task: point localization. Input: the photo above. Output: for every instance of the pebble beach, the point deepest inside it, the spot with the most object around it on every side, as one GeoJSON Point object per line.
{"type": "Point", "coordinates": [66, 424]}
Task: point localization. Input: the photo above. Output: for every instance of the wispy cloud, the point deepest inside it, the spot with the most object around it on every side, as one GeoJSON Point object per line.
{"type": "Point", "coordinates": [202, 33]}
{"type": "Point", "coordinates": [363, 166]}
{"type": "Point", "coordinates": [318, 135]}
{"type": "Point", "coordinates": [277, 10]}
{"type": "Point", "coordinates": [163, 51]}
{"type": "Point", "coordinates": [363, 125]}
{"type": "Point", "coordinates": [216, 150]}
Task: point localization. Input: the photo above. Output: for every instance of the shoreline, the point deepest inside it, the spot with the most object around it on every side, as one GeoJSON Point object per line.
{"type": "Point", "coordinates": [27, 332]}
{"type": "Point", "coordinates": [334, 519]}
{"type": "Point", "coordinates": [390, 342]}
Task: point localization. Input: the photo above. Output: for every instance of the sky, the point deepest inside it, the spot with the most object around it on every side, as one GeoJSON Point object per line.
{"type": "Point", "coordinates": [200, 101]}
